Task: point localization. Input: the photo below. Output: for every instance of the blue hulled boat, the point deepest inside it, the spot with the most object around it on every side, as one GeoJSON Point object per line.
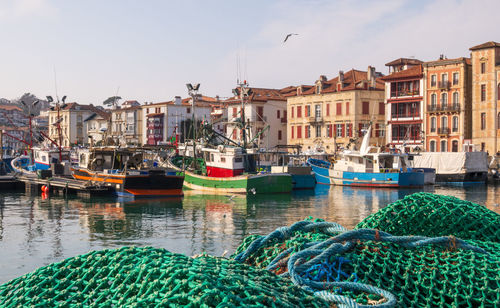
{"type": "Point", "coordinates": [367, 168]}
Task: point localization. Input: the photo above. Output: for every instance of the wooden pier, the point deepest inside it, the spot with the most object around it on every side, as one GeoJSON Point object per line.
{"type": "Point", "coordinates": [63, 185]}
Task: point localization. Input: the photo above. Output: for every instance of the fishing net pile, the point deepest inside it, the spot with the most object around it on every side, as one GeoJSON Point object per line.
{"type": "Point", "coordinates": [149, 277]}
{"type": "Point", "coordinates": [386, 267]}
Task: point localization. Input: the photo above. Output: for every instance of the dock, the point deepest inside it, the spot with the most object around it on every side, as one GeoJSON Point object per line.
{"type": "Point", "coordinates": [61, 185]}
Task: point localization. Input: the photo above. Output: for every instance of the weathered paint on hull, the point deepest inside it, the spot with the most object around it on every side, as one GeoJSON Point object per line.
{"type": "Point", "coordinates": [245, 184]}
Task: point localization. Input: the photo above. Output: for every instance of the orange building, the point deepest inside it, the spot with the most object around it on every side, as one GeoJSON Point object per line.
{"type": "Point", "coordinates": [448, 104]}
{"type": "Point", "coordinates": [486, 97]}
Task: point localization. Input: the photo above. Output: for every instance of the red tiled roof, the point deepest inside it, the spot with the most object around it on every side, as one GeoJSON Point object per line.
{"type": "Point", "coordinates": [10, 107]}
{"type": "Point", "coordinates": [414, 71]}
{"type": "Point", "coordinates": [260, 95]}
{"type": "Point", "coordinates": [447, 61]}
{"type": "Point", "coordinates": [404, 61]}
{"type": "Point", "coordinates": [353, 80]}
{"type": "Point", "coordinates": [485, 45]}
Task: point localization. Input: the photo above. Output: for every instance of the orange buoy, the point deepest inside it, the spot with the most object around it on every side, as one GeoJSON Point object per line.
{"type": "Point", "coordinates": [43, 188]}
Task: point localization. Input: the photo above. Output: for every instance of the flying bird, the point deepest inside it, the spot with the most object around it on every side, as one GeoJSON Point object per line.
{"type": "Point", "coordinates": [288, 35]}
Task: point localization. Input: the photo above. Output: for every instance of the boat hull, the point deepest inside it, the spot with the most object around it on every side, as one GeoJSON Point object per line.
{"type": "Point", "coordinates": [137, 186]}
{"type": "Point", "coordinates": [303, 181]}
{"type": "Point", "coordinates": [463, 178]}
{"type": "Point", "coordinates": [245, 184]}
{"type": "Point", "coordinates": [365, 179]}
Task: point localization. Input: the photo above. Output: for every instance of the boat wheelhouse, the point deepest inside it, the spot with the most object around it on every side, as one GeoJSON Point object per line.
{"type": "Point", "coordinates": [124, 169]}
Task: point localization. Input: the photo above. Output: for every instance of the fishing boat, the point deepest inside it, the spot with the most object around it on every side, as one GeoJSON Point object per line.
{"type": "Point", "coordinates": [367, 167]}
{"type": "Point", "coordinates": [227, 169]}
{"type": "Point", "coordinates": [123, 169]}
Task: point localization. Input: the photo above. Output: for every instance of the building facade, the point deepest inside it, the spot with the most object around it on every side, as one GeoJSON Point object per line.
{"type": "Point", "coordinates": [334, 114]}
{"type": "Point", "coordinates": [266, 116]}
{"type": "Point", "coordinates": [71, 118]}
{"type": "Point", "coordinates": [98, 126]}
{"type": "Point", "coordinates": [486, 97]}
{"type": "Point", "coordinates": [404, 104]}
{"type": "Point", "coordinates": [163, 121]}
{"type": "Point", "coordinates": [448, 104]}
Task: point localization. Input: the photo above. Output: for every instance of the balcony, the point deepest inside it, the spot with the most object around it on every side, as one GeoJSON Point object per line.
{"type": "Point", "coordinates": [404, 93]}
{"type": "Point", "coordinates": [443, 131]}
{"type": "Point", "coordinates": [315, 119]}
{"type": "Point", "coordinates": [284, 120]}
{"type": "Point", "coordinates": [444, 85]}
{"type": "Point", "coordinates": [443, 108]}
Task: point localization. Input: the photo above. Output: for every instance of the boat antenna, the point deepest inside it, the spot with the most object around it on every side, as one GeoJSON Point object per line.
{"type": "Point", "coordinates": [55, 83]}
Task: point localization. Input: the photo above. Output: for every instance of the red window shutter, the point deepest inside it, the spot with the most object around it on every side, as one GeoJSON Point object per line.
{"type": "Point", "coordinates": [279, 135]}
{"type": "Point", "coordinates": [343, 130]}
{"type": "Point", "coordinates": [299, 132]}
{"type": "Point", "coordinates": [292, 111]}
{"type": "Point", "coordinates": [339, 108]}
{"type": "Point", "coordinates": [299, 111]}
{"type": "Point", "coordinates": [234, 134]}
{"type": "Point", "coordinates": [381, 108]}
{"type": "Point", "coordinates": [366, 107]}
{"type": "Point", "coordinates": [277, 114]}
{"type": "Point", "coordinates": [347, 108]}
{"type": "Point", "coordinates": [234, 112]}
{"type": "Point", "coordinates": [330, 131]}
{"type": "Point", "coordinates": [376, 130]}
{"type": "Point", "coordinates": [350, 129]}
{"type": "Point", "coordinates": [328, 108]}
{"type": "Point", "coordinates": [291, 127]}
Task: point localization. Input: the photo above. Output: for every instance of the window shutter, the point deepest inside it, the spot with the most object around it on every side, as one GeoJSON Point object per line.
{"type": "Point", "coordinates": [376, 130]}
{"type": "Point", "coordinates": [343, 130]}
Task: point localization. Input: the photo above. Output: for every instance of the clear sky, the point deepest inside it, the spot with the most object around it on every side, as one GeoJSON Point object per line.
{"type": "Point", "coordinates": [149, 49]}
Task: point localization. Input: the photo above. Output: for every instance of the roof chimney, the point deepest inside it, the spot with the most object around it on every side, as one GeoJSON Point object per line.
{"type": "Point", "coordinates": [340, 83]}
{"type": "Point", "coordinates": [177, 100]}
{"type": "Point", "coordinates": [371, 76]}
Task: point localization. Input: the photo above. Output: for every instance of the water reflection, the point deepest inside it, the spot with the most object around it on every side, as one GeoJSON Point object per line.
{"type": "Point", "coordinates": [36, 232]}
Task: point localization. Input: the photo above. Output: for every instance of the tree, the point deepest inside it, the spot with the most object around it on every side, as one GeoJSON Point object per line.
{"type": "Point", "coordinates": [112, 101]}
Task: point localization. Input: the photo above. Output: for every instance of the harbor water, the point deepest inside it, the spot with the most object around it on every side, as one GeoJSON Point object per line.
{"type": "Point", "coordinates": [36, 232]}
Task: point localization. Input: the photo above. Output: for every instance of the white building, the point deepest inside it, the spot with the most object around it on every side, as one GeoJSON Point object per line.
{"type": "Point", "coordinates": [265, 112]}
{"type": "Point", "coordinates": [162, 121]}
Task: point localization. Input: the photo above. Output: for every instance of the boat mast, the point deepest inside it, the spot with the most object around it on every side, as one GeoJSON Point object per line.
{"type": "Point", "coordinates": [193, 92]}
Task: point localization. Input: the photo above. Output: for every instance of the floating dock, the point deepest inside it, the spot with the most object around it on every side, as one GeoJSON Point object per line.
{"type": "Point", "coordinates": [62, 186]}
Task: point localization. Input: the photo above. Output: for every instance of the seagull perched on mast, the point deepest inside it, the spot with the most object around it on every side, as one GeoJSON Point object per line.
{"type": "Point", "coordinates": [288, 35]}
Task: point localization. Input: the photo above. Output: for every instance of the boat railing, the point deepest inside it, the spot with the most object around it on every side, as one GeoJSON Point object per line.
{"type": "Point", "coordinates": [388, 170]}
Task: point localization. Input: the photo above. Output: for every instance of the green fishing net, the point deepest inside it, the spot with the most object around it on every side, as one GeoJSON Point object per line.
{"type": "Point", "coordinates": [149, 277]}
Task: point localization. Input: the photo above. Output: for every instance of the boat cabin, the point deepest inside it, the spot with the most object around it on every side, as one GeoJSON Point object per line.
{"type": "Point", "coordinates": [371, 163]}
{"type": "Point", "coordinates": [44, 157]}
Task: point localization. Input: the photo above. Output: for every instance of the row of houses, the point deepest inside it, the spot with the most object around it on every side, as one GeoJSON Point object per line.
{"type": "Point", "coordinates": [441, 105]}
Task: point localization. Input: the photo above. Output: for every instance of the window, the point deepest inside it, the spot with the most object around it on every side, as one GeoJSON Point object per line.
{"type": "Point", "coordinates": [444, 122]}
{"type": "Point", "coordinates": [299, 113]}
{"type": "Point", "coordinates": [327, 109]}
{"type": "Point", "coordinates": [444, 146]}
{"type": "Point", "coordinates": [308, 131]}
{"type": "Point", "coordinates": [433, 80]}
{"type": "Point", "coordinates": [432, 146]}
{"type": "Point", "coordinates": [338, 130]}
{"type": "Point", "coordinates": [339, 108]}
{"type": "Point", "coordinates": [455, 78]}
{"type": "Point", "coordinates": [317, 111]}
{"type": "Point", "coordinates": [366, 108]}
{"type": "Point", "coordinates": [277, 114]}
{"type": "Point", "coordinates": [483, 92]}
{"type": "Point", "coordinates": [308, 110]}
{"type": "Point", "coordinates": [454, 125]}
{"type": "Point", "coordinates": [444, 78]}
{"type": "Point", "coordinates": [483, 121]}
{"type": "Point", "coordinates": [381, 108]}
{"type": "Point", "coordinates": [483, 67]}
{"type": "Point", "coordinates": [433, 101]}
{"type": "Point", "coordinates": [433, 124]}
{"type": "Point", "coordinates": [347, 108]}
{"type": "Point", "coordinates": [318, 131]}
{"type": "Point", "coordinates": [299, 132]}
{"type": "Point", "coordinates": [444, 99]}
{"type": "Point", "coordinates": [455, 100]}
{"type": "Point", "coordinates": [279, 135]}
{"type": "Point", "coordinates": [329, 130]}
{"type": "Point", "coordinates": [260, 113]}
{"type": "Point", "coordinates": [292, 129]}
{"type": "Point", "coordinates": [454, 146]}
{"type": "Point", "coordinates": [293, 114]}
